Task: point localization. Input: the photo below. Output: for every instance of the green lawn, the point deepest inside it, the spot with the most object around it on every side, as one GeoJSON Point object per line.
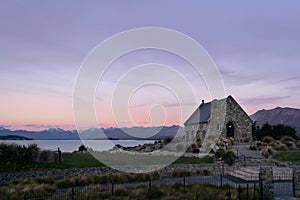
{"type": "Point", "coordinates": [80, 160]}
{"type": "Point", "coordinates": [287, 156]}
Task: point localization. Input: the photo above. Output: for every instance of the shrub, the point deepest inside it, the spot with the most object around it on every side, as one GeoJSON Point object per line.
{"type": "Point", "coordinates": [82, 148]}
{"type": "Point", "coordinates": [205, 172]}
{"type": "Point", "coordinates": [13, 153]}
{"type": "Point", "coordinates": [291, 145]}
{"type": "Point", "coordinates": [64, 183]}
{"type": "Point", "coordinates": [44, 156]}
{"type": "Point", "coordinates": [168, 140]}
{"type": "Point", "coordinates": [34, 151]}
{"type": "Point", "coordinates": [196, 150]}
{"type": "Point", "coordinates": [46, 180]}
{"type": "Point", "coordinates": [276, 145]}
{"type": "Point", "coordinates": [155, 175]}
{"type": "Point", "coordinates": [253, 147]}
{"type": "Point", "coordinates": [266, 152]}
{"type": "Point", "coordinates": [298, 144]}
{"type": "Point", "coordinates": [267, 139]}
{"type": "Point", "coordinates": [229, 157]}
{"type": "Point", "coordinates": [287, 138]}
{"type": "Point", "coordinates": [184, 173]}
{"type": "Point", "coordinates": [175, 173]}
{"type": "Point", "coordinates": [283, 147]}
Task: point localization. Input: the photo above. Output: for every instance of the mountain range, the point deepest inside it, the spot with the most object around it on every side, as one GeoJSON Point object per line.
{"type": "Point", "coordinates": [286, 116]}
{"type": "Point", "coordinates": [134, 133]}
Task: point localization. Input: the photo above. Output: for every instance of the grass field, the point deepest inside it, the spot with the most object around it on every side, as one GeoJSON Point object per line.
{"type": "Point", "coordinates": [46, 188]}
{"type": "Point", "coordinates": [287, 156]}
{"type": "Point", "coordinates": [81, 160]}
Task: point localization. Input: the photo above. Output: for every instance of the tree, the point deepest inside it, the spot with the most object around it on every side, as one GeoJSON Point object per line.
{"type": "Point", "coordinates": [255, 130]}
{"type": "Point", "coordinates": [82, 148]}
{"type": "Point", "coordinates": [275, 131]}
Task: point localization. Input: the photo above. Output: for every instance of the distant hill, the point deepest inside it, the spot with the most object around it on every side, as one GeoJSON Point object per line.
{"type": "Point", "coordinates": [286, 116]}
{"type": "Point", "coordinates": [148, 133]}
{"type": "Point", "coordinates": [13, 137]}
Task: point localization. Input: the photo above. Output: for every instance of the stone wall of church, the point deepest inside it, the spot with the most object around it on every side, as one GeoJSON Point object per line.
{"type": "Point", "coordinates": [195, 132]}
{"type": "Point", "coordinates": [240, 120]}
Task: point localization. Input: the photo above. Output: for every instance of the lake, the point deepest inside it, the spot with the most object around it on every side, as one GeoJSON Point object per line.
{"type": "Point", "coordinates": [72, 145]}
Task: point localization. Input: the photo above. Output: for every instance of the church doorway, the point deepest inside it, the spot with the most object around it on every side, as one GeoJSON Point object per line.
{"type": "Point", "coordinates": [230, 129]}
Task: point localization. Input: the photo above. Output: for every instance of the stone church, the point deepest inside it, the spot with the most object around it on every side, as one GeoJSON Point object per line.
{"type": "Point", "coordinates": [237, 125]}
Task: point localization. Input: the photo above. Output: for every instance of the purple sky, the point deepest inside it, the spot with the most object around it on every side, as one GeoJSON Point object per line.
{"type": "Point", "coordinates": [255, 45]}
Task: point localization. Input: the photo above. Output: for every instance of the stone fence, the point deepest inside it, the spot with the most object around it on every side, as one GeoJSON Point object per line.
{"type": "Point", "coordinates": [168, 171]}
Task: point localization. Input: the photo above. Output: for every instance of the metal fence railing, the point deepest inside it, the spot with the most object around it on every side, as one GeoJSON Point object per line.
{"type": "Point", "coordinates": [249, 189]}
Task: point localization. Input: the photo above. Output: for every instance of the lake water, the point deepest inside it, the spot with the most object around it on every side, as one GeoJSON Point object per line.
{"type": "Point", "coordinates": [72, 145]}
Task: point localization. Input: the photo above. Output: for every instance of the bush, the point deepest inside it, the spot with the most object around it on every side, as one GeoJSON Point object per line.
{"type": "Point", "coordinates": [13, 153]}
{"type": "Point", "coordinates": [168, 140]}
{"type": "Point", "coordinates": [196, 150]}
{"type": "Point", "coordinates": [291, 145]}
{"type": "Point", "coordinates": [268, 139]}
{"type": "Point", "coordinates": [287, 138]}
{"type": "Point", "coordinates": [64, 183]}
{"type": "Point", "coordinates": [44, 156]}
{"type": "Point", "coordinates": [283, 147]}
{"type": "Point", "coordinates": [229, 157]}
{"type": "Point", "coordinates": [175, 173]}
{"type": "Point", "coordinates": [253, 147]}
{"type": "Point", "coordinates": [82, 148]}
{"type": "Point", "coordinates": [276, 145]}
{"type": "Point", "coordinates": [276, 131]}
{"type": "Point", "coordinates": [298, 144]}
{"type": "Point", "coordinates": [205, 172]}
{"type": "Point", "coordinates": [267, 152]}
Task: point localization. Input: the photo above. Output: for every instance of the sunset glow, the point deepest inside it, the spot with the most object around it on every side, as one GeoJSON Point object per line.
{"type": "Point", "coordinates": [43, 45]}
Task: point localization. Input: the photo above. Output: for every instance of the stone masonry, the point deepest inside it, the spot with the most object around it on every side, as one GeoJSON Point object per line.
{"type": "Point", "coordinates": [296, 178]}
{"type": "Point", "coordinates": [198, 124]}
{"type": "Point", "coordinates": [239, 118]}
{"type": "Point", "coordinates": [266, 182]}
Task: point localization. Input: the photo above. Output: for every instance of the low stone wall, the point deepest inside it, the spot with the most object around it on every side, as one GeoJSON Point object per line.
{"type": "Point", "coordinates": [258, 162]}
{"type": "Point", "coordinates": [194, 169]}
{"type": "Point", "coordinates": [216, 168]}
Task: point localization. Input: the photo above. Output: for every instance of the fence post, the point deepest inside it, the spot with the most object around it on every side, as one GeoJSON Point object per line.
{"type": "Point", "coordinates": [239, 190]}
{"type": "Point", "coordinates": [73, 194]}
{"type": "Point", "coordinates": [112, 189]}
{"type": "Point", "coordinates": [294, 194]}
{"type": "Point", "coordinates": [247, 191]}
{"type": "Point", "coordinates": [221, 180]}
{"type": "Point", "coordinates": [261, 187]}
{"type": "Point", "coordinates": [184, 182]}
{"type": "Point", "coordinates": [254, 186]}
{"type": "Point", "coordinates": [150, 188]}
{"type": "Point", "coordinates": [197, 197]}
{"type": "Point", "coordinates": [59, 155]}
{"type": "Point", "coordinates": [229, 193]}
{"type": "Point", "coordinates": [223, 169]}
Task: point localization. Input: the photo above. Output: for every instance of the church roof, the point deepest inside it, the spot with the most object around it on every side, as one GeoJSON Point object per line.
{"type": "Point", "coordinates": [201, 114]}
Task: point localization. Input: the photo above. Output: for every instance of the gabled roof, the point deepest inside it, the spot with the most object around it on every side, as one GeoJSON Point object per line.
{"type": "Point", "coordinates": [201, 114]}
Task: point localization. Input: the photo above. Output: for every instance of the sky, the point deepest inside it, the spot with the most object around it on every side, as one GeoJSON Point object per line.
{"type": "Point", "coordinates": [254, 44]}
